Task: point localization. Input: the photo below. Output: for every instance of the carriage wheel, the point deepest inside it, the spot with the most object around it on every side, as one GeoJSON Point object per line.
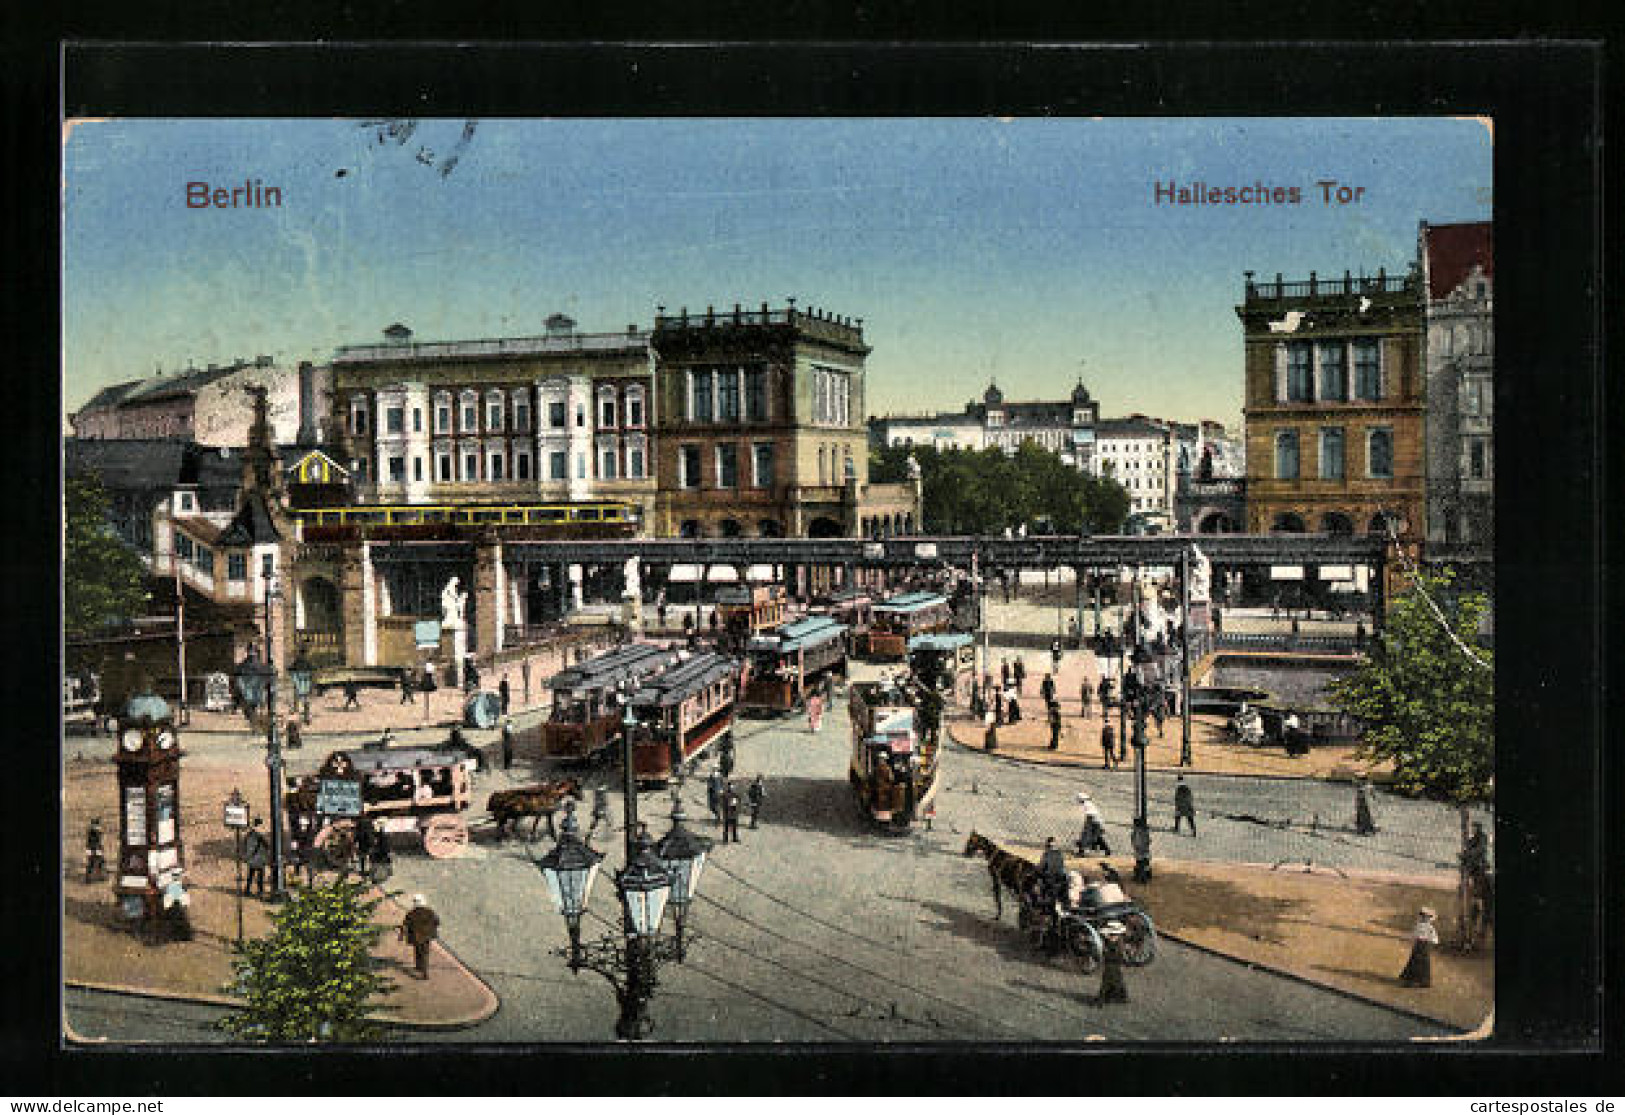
{"type": "Point", "coordinates": [1083, 945]}
{"type": "Point", "coordinates": [1139, 942]}
{"type": "Point", "coordinates": [445, 836]}
{"type": "Point", "coordinates": [335, 847]}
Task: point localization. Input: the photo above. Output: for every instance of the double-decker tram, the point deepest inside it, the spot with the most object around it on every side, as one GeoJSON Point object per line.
{"type": "Point", "coordinates": [449, 521]}
{"type": "Point", "coordinates": [895, 752]}
{"type": "Point", "coordinates": [677, 714]}
{"type": "Point", "coordinates": [745, 610]}
{"type": "Point", "coordinates": [902, 617]}
{"type": "Point", "coordinates": [788, 662]}
{"type": "Point", "coordinates": [589, 700]}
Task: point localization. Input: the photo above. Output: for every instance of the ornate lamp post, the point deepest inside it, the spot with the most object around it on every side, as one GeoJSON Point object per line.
{"type": "Point", "coordinates": [302, 674]}
{"type": "Point", "coordinates": [1141, 835]}
{"type": "Point", "coordinates": [257, 681]}
{"type": "Point", "coordinates": [682, 854]}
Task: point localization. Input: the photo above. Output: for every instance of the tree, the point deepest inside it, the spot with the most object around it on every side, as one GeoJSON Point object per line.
{"type": "Point", "coordinates": [103, 579]}
{"type": "Point", "coordinates": [314, 977]}
{"type": "Point", "coordinates": [1426, 699]}
{"type": "Point", "coordinates": [985, 491]}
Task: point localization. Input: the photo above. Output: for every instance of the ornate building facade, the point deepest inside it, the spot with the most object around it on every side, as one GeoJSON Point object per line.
{"type": "Point", "coordinates": [1334, 404]}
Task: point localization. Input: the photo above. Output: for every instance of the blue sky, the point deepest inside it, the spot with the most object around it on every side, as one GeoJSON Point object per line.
{"type": "Point", "coordinates": [971, 247]}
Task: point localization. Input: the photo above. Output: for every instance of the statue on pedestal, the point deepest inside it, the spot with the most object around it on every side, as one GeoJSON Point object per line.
{"type": "Point", "coordinates": [452, 604]}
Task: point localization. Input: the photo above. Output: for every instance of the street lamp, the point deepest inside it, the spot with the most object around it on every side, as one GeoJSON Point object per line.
{"type": "Point", "coordinates": [302, 674]}
{"type": "Point", "coordinates": [257, 680]}
{"type": "Point", "coordinates": [682, 854]}
{"type": "Point", "coordinates": [570, 870]}
{"type": "Point", "coordinates": [1140, 837]}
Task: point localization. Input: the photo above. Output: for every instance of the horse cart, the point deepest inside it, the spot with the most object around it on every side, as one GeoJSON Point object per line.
{"type": "Point", "coordinates": [424, 791]}
{"type": "Point", "coordinates": [1054, 925]}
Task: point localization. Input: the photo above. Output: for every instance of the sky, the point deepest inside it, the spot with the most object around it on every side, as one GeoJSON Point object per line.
{"type": "Point", "coordinates": [1029, 251]}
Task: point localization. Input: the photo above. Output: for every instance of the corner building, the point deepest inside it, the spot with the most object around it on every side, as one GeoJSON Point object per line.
{"type": "Point", "coordinates": [1334, 404]}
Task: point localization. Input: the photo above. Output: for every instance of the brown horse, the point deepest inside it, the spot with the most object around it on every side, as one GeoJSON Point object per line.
{"type": "Point", "coordinates": [1007, 870]}
{"type": "Point", "coordinates": [536, 802]}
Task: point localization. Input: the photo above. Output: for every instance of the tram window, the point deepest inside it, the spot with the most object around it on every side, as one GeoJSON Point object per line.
{"type": "Point", "coordinates": [591, 514]}
{"type": "Point", "coordinates": [435, 516]}
{"type": "Point", "coordinates": [548, 515]}
{"type": "Point", "coordinates": [487, 516]}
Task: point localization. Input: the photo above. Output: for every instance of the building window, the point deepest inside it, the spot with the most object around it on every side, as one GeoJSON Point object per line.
{"type": "Point", "coordinates": [493, 416]}
{"type": "Point", "coordinates": [442, 418]}
{"type": "Point", "coordinates": [417, 420]}
{"type": "Point", "coordinates": [417, 468]}
{"type": "Point", "coordinates": [581, 466]}
{"type": "Point", "coordinates": [1331, 453]}
{"type": "Point", "coordinates": [361, 469]}
{"type": "Point", "coordinates": [521, 417]}
{"type": "Point", "coordinates": [606, 411]}
{"type": "Point", "coordinates": [205, 560]}
{"type": "Point", "coordinates": [727, 466]}
{"type": "Point", "coordinates": [1286, 455]}
{"type": "Point", "coordinates": [1380, 453]}
{"type": "Point", "coordinates": [762, 466]}
{"type": "Point", "coordinates": [557, 466]}
{"type": "Point", "coordinates": [236, 567]}
{"type": "Point", "coordinates": [555, 415]}
{"type": "Point", "coordinates": [358, 417]}
{"type": "Point", "coordinates": [1334, 373]}
{"type": "Point", "coordinates": [606, 462]}
{"type": "Point", "coordinates": [1299, 388]}
{"type": "Point", "coordinates": [581, 416]}
{"type": "Point", "coordinates": [522, 466]}
{"type": "Point", "coordinates": [634, 407]}
{"type": "Point", "coordinates": [634, 460]}
{"type": "Point", "coordinates": [471, 466]}
{"type": "Point", "coordinates": [728, 395]}
{"type": "Point", "coordinates": [471, 418]}
{"type": "Point", "coordinates": [445, 466]}
{"type": "Point", "coordinates": [397, 469]}
{"type": "Point", "coordinates": [699, 395]}
{"type": "Point", "coordinates": [756, 394]}
{"type": "Point", "coordinates": [1367, 371]}
{"type": "Point", "coordinates": [1477, 459]}
{"type": "Point", "coordinates": [496, 466]}
{"type": "Point", "coordinates": [688, 463]}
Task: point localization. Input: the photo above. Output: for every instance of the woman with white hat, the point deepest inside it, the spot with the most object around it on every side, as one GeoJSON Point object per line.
{"type": "Point", "coordinates": [1424, 935]}
{"type": "Point", "coordinates": [1094, 829]}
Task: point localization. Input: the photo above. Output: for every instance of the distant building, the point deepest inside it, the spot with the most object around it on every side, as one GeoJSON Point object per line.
{"type": "Point", "coordinates": [1066, 426]}
{"type": "Point", "coordinates": [209, 406]}
{"type": "Point", "coordinates": [1458, 269]}
{"type": "Point", "coordinates": [1333, 404]}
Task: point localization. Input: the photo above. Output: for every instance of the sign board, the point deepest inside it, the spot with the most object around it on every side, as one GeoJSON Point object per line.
{"type": "Point", "coordinates": [1286, 572]}
{"type": "Point", "coordinates": [339, 797]}
{"type": "Point", "coordinates": [426, 633]}
{"type": "Point", "coordinates": [925, 550]}
{"type": "Point", "coordinates": [236, 815]}
{"type": "Point", "coordinates": [217, 693]}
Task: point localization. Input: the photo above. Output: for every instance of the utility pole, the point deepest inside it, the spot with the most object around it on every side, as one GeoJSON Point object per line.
{"type": "Point", "coordinates": [180, 635]}
{"type": "Point", "coordinates": [1185, 657]}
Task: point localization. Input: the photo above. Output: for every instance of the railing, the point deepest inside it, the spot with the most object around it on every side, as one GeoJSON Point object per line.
{"type": "Point", "coordinates": [500, 346]}
{"type": "Point", "coordinates": [811, 320]}
{"type": "Point", "coordinates": [1328, 644]}
{"type": "Point", "coordinates": [1316, 287]}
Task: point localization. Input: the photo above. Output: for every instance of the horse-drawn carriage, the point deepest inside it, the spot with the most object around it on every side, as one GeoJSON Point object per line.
{"type": "Point", "coordinates": [422, 790]}
{"type": "Point", "coordinates": [1054, 922]}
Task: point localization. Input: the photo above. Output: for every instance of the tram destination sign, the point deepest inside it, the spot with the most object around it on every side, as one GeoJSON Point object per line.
{"type": "Point", "coordinates": [339, 797]}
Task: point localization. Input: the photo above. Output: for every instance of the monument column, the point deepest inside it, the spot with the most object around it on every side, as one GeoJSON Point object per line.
{"type": "Point", "coordinates": [489, 597]}
{"type": "Point", "coordinates": [355, 596]}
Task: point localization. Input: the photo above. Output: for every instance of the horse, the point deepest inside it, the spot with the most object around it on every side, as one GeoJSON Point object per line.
{"type": "Point", "coordinates": [1006, 869]}
{"type": "Point", "coordinates": [535, 802]}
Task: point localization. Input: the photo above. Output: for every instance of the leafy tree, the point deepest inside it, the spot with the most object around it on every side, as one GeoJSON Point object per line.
{"type": "Point", "coordinates": [1426, 700]}
{"type": "Point", "coordinates": [985, 491]}
{"type": "Point", "coordinates": [102, 577]}
{"type": "Point", "coordinates": [314, 977]}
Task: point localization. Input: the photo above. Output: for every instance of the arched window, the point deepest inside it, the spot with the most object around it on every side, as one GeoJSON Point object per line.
{"type": "Point", "coordinates": [1287, 522]}
{"type": "Point", "coordinates": [1335, 522]}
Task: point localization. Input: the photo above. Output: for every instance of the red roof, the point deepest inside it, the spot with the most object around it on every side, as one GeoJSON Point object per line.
{"type": "Point", "coordinates": [1453, 250]}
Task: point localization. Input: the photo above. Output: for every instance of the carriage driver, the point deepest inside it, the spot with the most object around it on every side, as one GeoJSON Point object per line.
{"type": "Point", "coordinates": [1052, 871]}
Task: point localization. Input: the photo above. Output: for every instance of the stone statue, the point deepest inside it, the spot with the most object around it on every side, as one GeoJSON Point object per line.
{"type": "Point", "coordinates": [634, 581]}
{"type": "Point", "coordinates": [913, 468]}
{"type": "Point", "coordinates": [1201, 577]}
{"type": "Point", "coordinates": [452, 603]}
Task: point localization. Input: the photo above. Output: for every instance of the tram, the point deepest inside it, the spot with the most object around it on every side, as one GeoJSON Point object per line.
{"type": "Point", "coordinates": [746, 610]}
{"type": "Point", "coordinates": [788, 662]}
{"type": "Point", "coordinates": [900, 618]}
{"type": "Point", "coordinates": [450, 521]}
{"type": "Point", "coordinates": [851, 607]}
{"type": "Point", "coordinates": [589, 699]}
{"type": "Point", "coordinates": [944, 661]}
{"type": "Point", "coordinates": [895, 752]}
{"type": "Point", "coordinates": [675, 715]}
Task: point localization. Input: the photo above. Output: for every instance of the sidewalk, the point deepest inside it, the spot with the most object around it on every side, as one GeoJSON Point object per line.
{"type": "Point", "coordinates": [98, 950]}
{"type": "Point", "coordinates": [1348, 931]}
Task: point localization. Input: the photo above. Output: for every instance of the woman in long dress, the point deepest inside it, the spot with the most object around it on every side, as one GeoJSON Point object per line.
{"type": "Point", "coordinates": [1424, 936]}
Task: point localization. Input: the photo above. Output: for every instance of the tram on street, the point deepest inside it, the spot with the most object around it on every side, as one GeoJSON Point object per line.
{"type": "Point", "coordinates": [790, 661]}
{"type": "Point", "coordinates": [745, 610]}
{"type": "Point", "coordinates": [899, 619]}
{"type": "Point", "coordinates": [895, 755]}
{"type": "Point", "coordinates": [589, 700]}
{"type": "Point", "coordinates": [675, 715]}
{"type": "Point", "coordinates": [945, 661]}
{"type": "Point", "coordinates": [852, 608]}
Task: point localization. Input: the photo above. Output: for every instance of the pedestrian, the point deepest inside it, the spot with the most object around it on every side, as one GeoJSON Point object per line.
{"type": "Point", "coordinates": [407, 688]}
{"type": "Point", "coordinates": [1046, 689]}
{"type": "Point", "coordinates": [713, 793]}
{"type": "Point", "coordinates": [367, 840]}
{"type": "Point", "coordinates": [1159, 714]}
{"type": "Point", "coordinates": [1004, 673]}
{"type": "Point", "coordinates": [352, 696]}
{"type": "Point", "coordinates": [503, 693]}
{"type": "Point", "coordinates": [95, 859]}
{"type": "Point", "coordinates": [713, 623]}
{"type": "Point", "coordinates": [1364, 824]}
{"type": "Point", "coordinates": [419, 929]}
{"type": "Point", "coordinates": [1113, 988]}
{"type": "Point", "coordinates": [1054, 727]}
{"type": "Point", "coordinates": [1105, 691]}
{"type": "Point", "coordinates": [295, 736]}
{"type": "Point", "coordinates": [815, 712]}
{"type": "Point", "coordinates": [429, 682]}
{"type": "Point", "coordinates": [725, 758]}
{"type": "Point", "coordinates": [1085, 693]}
{"type": "Point", "coordinates": [1055, 655]}
{"type": "Point", "coordinates": [257, 855]}
{"type": "Point", "coordinates": [1184, 805]}
{"type": "Point", "coordinates": [1418, 970]}
{"type": "Point", "coordinates": [471, 675]}
{"type": "Point", "coordinates": [1108, 742]}
{"type": "Point", "coordinates": [1093, 835]}
{"type": "Point", "coordinates": [507, 739]}
{"type": "Point", "coordinates": [1019, 670]}
{"type": "Point", "coordinates": [1012, 707]}
{"type": "Point", "coordinates": [1122, 746]}
{"type": "Point", "coordinates": [754, 797]}
{"type": "Point", "coordinates": [600, 809]}
{"type": "Point", "coordinates": [730, 814]}
{"type": "Point", "coordinates": [990, 733]}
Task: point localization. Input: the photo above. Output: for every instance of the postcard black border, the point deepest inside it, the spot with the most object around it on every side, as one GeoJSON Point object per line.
{"type": "Point", "coordinates": [1544, 100]}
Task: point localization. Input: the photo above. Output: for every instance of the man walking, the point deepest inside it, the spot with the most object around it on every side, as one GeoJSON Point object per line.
{"type": "Point", "coordinates": [815, 712]}
{"type": "Point", "coordinates": [352, 696]}
{"type": "Point", "coordinates": [1055, 655]}
{"type": "Point", "coordinates": [1093, 835]}
{"type": "Point", "coordinates": [754, 797]}
{"type": "Point", "coordinates": [725, 760]}
{"type": "Point", "coordinates": [1158, 713]}
{"type": "Point", "coordinates": [1046, 689]}
{"type": "Point", "coordinates": [95, 860]}
{"type": "Point", "coordinates": [1364, 823]}
{"type": "Point", "coordinates": [1184, 805]}
{"type": "Point", "coordinates": [407, 689]}
{"type": "Point", "coordinates": [1085, 694]}
{"type": "Point", "coordinates": [1019, 670]}
{"type": "Point", "coordinates": [1108, 743]}
{"type": "Point", "coordinates": [713, 793]}
{"type": "Point", "coordinates": [1004, 673]}
{"type": "Point", "coordinates": [257, 855]}
{"type": "Point", "coordinates": [503, 693]}
{"type": "Point", "coordinates": [507, 737]}
{"type": "Point", "coordinates": [730, 814]}
{"type": "Point", "coordinates": [419, 929]}
{"type": "Point", "coordinates": [600, 810]}
{"type": "Point", "coordinates": [1054, 726]}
